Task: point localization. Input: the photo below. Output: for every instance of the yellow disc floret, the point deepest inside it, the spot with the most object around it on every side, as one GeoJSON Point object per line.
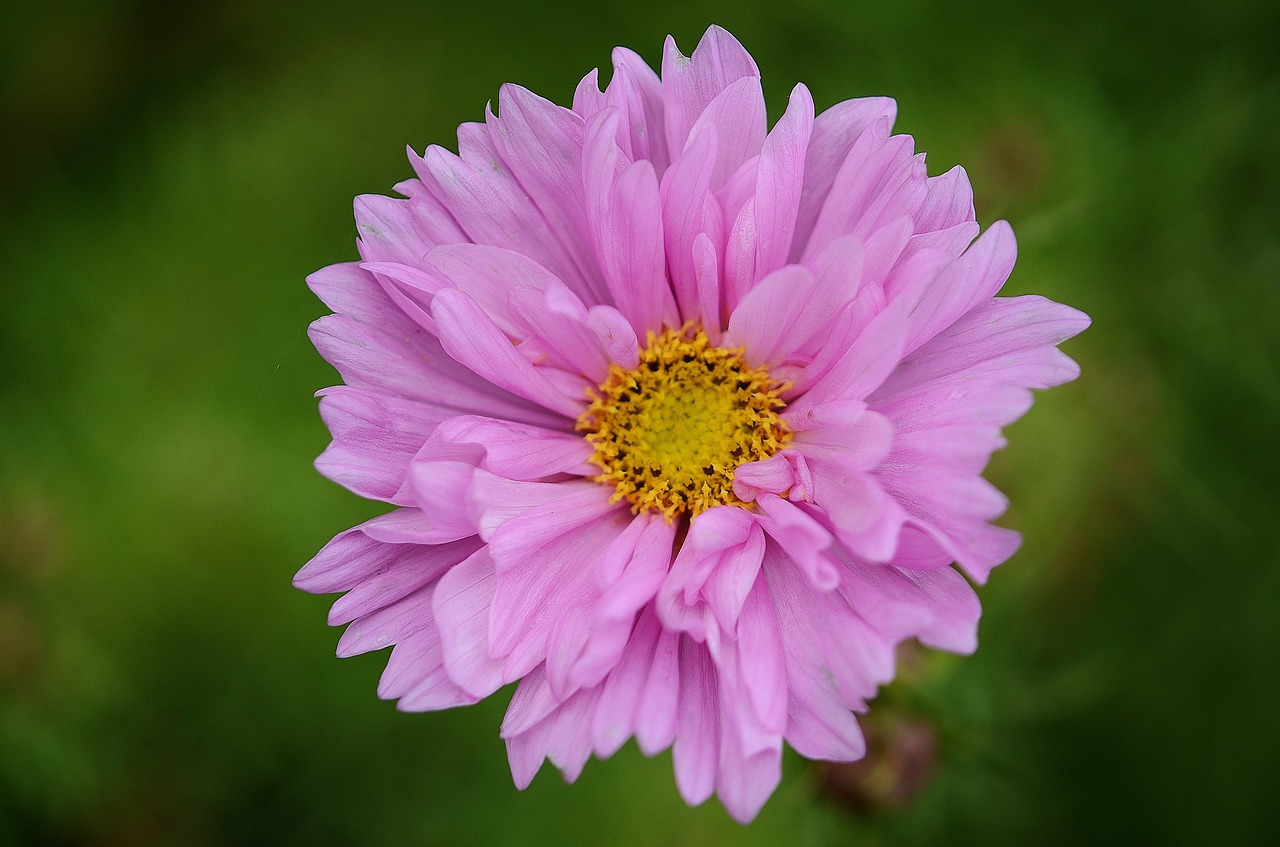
{"type": "Point", "coordinates": [669, 433]}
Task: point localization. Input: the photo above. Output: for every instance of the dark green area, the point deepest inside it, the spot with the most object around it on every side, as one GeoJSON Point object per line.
{"type": "Point", "coordinates": [168, 176]}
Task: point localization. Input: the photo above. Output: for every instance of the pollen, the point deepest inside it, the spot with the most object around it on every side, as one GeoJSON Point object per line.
{"type": "Point", "coordinates": [669, 433]}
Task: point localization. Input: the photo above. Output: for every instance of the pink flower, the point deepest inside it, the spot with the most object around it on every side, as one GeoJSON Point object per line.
{"type": "Point", "coordinates": [684, 419]}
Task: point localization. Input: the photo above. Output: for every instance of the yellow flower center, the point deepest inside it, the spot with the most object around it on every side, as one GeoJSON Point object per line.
{"type": "Point", "coordinates": [669, 433]}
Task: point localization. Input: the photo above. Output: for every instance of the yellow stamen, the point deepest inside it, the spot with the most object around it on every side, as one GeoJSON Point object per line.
{"type": "Point", "coordinates": [669, 433]}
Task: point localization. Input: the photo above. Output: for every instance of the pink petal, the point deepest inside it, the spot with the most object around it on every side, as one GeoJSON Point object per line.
{"type": "Point", "coordinates": [573, 505]}
{"type": "Point", "coordinates": [492, 209]}
{"type": "Point", "coordinates": [548, 595]}
{"type": "Point", "coordinates": [834, 133]}
{"type": "Point", "coordinates": [712, 573]}
{"type": "Point", "coordinates": [620, 695]}
{"type": "Point", "coordinates": [389, 625]}
{"type": "Point", "coordinates": [541, 144]}
{"type": "Point", "coordinates": [773, 475]}
{"type": "Point", "coordinates": [626, 225]}
{"type": "Point", "coordinates": [519, 451]}
{"type": "Point", "coordinates": [554, 322]}
{"type": "Point", "coordinates": [697, 743]}
{"type": "Point", "coordinates": [401, 231]}
{"type": "Point", "coordinates": [470, 337]}
{"type": "Point", "coordinates": [587, 97]}
{"type": "Point", "coordinates": [374, 438]}
{"type": "Point", "coordinates": [414, 366]}
{"type": "Point", "coordinates": [440, 490]}
{"type": "Point", "coordinates": [738, 115]}
{"type": "Point", "coordinates": [879, 180]}
{"type": "Point", "coordinates": [968, 281]}
{"type": "Point", "coordinates": [937, 606]}
{"type": "Point", "coordinates": [802, 537]}
{"type": "Point", "coordinates": [564, 737]}
{"type": "Point", "coordinates": [628, 575]}
{"type": "Point", "coordinates": [690, 84]}
{"type": "Point", "coordinates": [462, 608]}
{"type": "Point", "coordinates": [410, 567]}
{"type": "Point", "coordinates": [780, 180]}
{"type": "Point", "coordinates": [637, 93]}
{"type": "Point", "coordinates": [415, 675]}
{"type": "Point", "coordinates": [688, 209]}
{"type": "Point", "coordinates": [948, 202]}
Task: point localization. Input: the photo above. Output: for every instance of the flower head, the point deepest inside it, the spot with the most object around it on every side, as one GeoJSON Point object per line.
{"type": "Point", "coordinates": [684, 419]}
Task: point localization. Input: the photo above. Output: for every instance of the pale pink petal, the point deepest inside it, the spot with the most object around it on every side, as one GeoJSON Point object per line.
{"type": "Point", "coordinates": [712, 572]}
{"type": "Point", "coordinates": [937, 606]}
{"type": "Point", "coordinates": [968, 281]}
{"type": "Point", "coordinates": [401, 231]}
{"type": "Point", "coordinates": [738, 115]}
{"type": "Point", "coordinates": [547, 594]}
{"type": "Point", "coordinates": [802, 537]}
{"type": "Point", "coordinates": [440, 490]}
{"type": "Point", "coordinates": [948, 202]}
{"type": "Point", "coordinates": [491, 208]}
{"type": "Point", "coordinates": [587, 97]}
{"type": "Point", "coordinates": [559, 332]}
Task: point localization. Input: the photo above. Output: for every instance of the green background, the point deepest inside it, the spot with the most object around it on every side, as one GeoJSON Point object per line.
{"type": "Point", "coordinates": [168, 176]}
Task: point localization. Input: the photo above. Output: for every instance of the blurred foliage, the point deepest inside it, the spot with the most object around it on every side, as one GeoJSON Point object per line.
{"type": "Point", "coordinates": [169, 174]}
